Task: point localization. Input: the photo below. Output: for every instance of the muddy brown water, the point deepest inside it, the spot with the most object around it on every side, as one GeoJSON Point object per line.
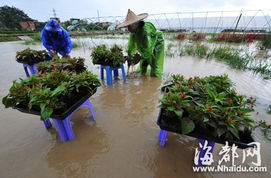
{"type": "Point", "coordinates": [122, 142]}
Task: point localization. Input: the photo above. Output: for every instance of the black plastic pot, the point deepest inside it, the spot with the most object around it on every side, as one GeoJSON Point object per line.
{"type": "Point", "coordinates": [174, 125]}
{"type": "Point", "coordinates": [31, 61]}
{"type": "Point", "coordinates": [110, 63]}
{"type": "Point", "coordinates": [165, 88]}
{"type": "Point", "coordinates": [81, 98]}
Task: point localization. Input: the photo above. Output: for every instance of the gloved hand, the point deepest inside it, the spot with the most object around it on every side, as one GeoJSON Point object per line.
{"type": "Point", "coordinates": [53, 52]}
{"type": "Point", "coordinates": [133, 60]}
{"type": "Point", "coordinates": [126, 58]}
{"type": "Point", "coordinates": [137, 57]}
{"type": "Point", "coordinates": [67, 56]}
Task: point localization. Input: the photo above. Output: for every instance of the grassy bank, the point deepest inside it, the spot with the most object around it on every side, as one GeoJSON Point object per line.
{"type": "Point", "coordinates": [6, 39]}
{"type": "Point", "coordinates": [13, 35]}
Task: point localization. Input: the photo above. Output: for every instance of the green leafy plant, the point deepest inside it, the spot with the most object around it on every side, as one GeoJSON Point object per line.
{"type": "Point", "coordinates": [261, 67]}
{"type": "Point", "coordinates": [68, 64]}
{"type": "Point", "coordinates": [104, 56]}
{"type": "Point", "coordinates": [265, 41]}
{"type": "Point", "coordinates": [231, 56]}
{"type": "Point", "coordinates": [116, 56]}
{"type": "Point", "coordinates": [29, 42]}
{"type": "Point", "coordinates": [29, 56]}
{"type": "Point", "coordinates": [265, 128]}
{"type": "Point", "coordinates": [50, 92]}
{"type": "Point", "coordinates": [76, 45]}
{"type": "Point", "coordinates": [36, 38]}
{"type": "Point", "coordinates": [208, 103]}
{"type": "Point", "coordinates": [195, 50]}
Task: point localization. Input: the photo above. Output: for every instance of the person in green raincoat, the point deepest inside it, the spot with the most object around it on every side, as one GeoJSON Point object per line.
{"type": "Point", "coordinates": [145, 43]}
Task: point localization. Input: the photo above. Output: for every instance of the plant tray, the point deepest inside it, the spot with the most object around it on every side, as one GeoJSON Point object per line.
{"type": "Point", "coordinates": [60, 115]}
{"type": "Point", "coordinates": [174, 125]}
{"type": "Point", "coordinates": [33, 62]}
{"type": "Point", "coordinates": [165, 88]}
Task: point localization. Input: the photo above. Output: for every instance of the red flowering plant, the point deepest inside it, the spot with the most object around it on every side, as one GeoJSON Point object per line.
{"type": "Point", "coordinates": [48, 92]}
{"type": "Point", "coordinates": [265, 128]}
{"type": "Point", "coordinates": [231, 38]}
{"type": "Point", "coordinates": [181, 36]}
{"type": "Point", "coordinates": [209, 104]}
{"type": "Point", "coordinates": [68, 64]}
{"type": "Point", "coordinates": [250, 37]}
{"type": "Point", "coordinates": [29, 56]}
{"type": "Point", "coordinates": [238, 38]}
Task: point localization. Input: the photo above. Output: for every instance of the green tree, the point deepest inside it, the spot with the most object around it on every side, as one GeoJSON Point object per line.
{"type": "Point", "coordinates": [40, 26]}
{"type": "Point", "coordinates": [10, 18]}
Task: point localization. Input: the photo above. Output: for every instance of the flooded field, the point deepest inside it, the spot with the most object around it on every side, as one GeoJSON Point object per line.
{"type": "Point", "coordinates": [122, 143]}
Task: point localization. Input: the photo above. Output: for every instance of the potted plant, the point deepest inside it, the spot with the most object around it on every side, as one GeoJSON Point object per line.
{"type": "Point", "coordinates": [265, 128]}
{"type": "Point", "coordinates": [207, 108]}
{"type": "Point", "coordinates": [55, 94]}
{"type": "Point", "coordinates": [70, 64]}
{"type": "Point", "coordinates": [181, 36]}
{"type": "Point", "coordinates": [197, 36]}
{"type": "Point", "coordinates": [30, 57]}
{"type": "Point", "coordinates": [108, 57]}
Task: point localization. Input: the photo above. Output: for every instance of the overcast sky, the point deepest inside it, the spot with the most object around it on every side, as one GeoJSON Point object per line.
{"type": "Point", "coordinates": [65, 9]}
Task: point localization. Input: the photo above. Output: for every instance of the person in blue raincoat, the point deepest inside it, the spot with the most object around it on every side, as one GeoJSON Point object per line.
{"type": "Point", "coordinates": [56, 39]}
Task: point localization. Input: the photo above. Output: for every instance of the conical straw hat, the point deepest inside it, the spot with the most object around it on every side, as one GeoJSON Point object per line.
{"type": "Point", "coordinates": [132, 18]}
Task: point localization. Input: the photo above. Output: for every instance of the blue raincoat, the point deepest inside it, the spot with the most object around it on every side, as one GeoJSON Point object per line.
{"type": "Point", "coordinates": [56, 38]}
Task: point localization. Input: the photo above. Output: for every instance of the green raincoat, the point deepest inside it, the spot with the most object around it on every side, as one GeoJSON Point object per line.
{"type": "Point", "coordinates": [149, 43]}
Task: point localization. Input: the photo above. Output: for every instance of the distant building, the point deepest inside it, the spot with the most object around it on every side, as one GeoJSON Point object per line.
{"type": "Point", "coordinates": [29, 25]}
{"type": "Point", "coordinates": [74, 21]}
{"type": "Point", "coordinates": [71, 19]}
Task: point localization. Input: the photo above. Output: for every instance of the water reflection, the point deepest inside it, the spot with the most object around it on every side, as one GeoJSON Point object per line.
{"type": "Point", "coordinates": [123, 141]}
{"type": "Point", "coordinates": [71, 159]}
